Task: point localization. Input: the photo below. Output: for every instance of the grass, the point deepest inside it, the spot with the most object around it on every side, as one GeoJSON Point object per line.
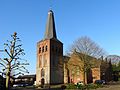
{"type": "Point", "coordinates": [83, 87]}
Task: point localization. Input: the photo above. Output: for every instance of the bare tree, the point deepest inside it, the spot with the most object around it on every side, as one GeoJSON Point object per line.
{"type": "Point", "coordinates": [12, 61]}
{"type": "Point", "coordinates": [84, 48]}
{"type": "Point", "coordinates": [114, 58]}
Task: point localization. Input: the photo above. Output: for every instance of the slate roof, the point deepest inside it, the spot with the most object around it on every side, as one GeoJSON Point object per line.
{"type": "Point", "coordinates": [50, 27]}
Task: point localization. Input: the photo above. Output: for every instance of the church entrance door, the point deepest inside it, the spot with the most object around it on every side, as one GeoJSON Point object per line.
{"type": "Point", "coordinates": [42, 82]}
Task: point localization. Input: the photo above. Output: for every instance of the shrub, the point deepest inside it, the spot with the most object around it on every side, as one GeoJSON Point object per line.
{"type": "Point", "coordinates": [81, 87]}
{"type": "Point", "coordinates": [63, 86]}
{"type": "Point", "coordinates": [71, 86]}
{"type": "Point", "coordinates": [93, 86]}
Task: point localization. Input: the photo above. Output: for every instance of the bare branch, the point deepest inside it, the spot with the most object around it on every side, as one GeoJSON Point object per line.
{"type": "Point", "coordinates": [3, 61]}
{"type": "Point", "coordinates": [86, 46]}
{"type": "Point", "coordinates": [12, 63]}
{"type": "Point", "coordinates": [2, 65]}
{"type": "Point", "coordinates": [18, 74]}
{"type": "Point", "coordinates": [8, 53]}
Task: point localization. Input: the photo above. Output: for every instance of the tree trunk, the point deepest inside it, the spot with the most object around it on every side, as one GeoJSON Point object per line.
{"type": "Point", "coordinates": [84, 77]}
{"type": "Point", "coordinates": [8, 78]}
{"type": "Point", "coordinates": [84, 72]}
{"type": "Point", "coordinates": [7, 81]}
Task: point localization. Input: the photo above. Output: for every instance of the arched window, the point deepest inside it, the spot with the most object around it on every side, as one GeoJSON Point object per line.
{"type": "Point", "coordinates": [43, 49]}
{"type": "Point", "coordinates": [40, 50]}
{"type": "Point", "coordinates": [42, 72]}
{"type": "Point", "coordinates": [46, 48]}
{"type": "Point", "coordinates": [39, 62]}
{"type": "Point", "coordinates": [45, 60]}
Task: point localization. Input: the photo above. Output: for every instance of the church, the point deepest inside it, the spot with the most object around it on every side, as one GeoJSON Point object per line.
{"type": "Point", "coordinates": [54, 68]}
{"type": "Point", "coordinates": [49, 67]}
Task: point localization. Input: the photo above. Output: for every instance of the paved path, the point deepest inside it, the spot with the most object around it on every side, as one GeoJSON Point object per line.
{"type": "Point", "coordinates": [111, 86]}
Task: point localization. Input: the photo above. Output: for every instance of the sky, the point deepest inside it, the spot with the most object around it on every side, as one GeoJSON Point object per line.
{"type": "Point", "coordinates": [97, 19]}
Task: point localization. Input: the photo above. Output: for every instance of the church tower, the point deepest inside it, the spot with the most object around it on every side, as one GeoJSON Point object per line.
{"type": "Point", "coordinates": [49, 68]}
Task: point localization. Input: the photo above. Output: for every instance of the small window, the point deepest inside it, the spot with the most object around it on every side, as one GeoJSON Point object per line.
{"type": "Point", "coordinates": [39, 61]}
{"type": "Point", "coordinates": [46, 48]}
{"type": "Point", "coordinates": [43, 49]}
{"type": "Point", "coordinates": [40, 50]}
{"type": "Point", "coordinates": [94, 77]}
{"type": "Point", "coordinates": [42, 72]}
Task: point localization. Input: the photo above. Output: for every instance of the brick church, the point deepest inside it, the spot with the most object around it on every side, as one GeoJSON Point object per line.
{"type": "Point", "coordinates": [50, 56]}
{"type": "Point", "coordinates": [52, 66]}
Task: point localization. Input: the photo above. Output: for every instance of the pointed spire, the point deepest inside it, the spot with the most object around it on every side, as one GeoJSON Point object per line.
{"type": "Point", "coordinates": [50, 27]}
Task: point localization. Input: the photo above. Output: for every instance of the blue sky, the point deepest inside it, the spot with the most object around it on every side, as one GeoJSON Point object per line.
{"type": "Point", "coordinates": [97, 19]}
